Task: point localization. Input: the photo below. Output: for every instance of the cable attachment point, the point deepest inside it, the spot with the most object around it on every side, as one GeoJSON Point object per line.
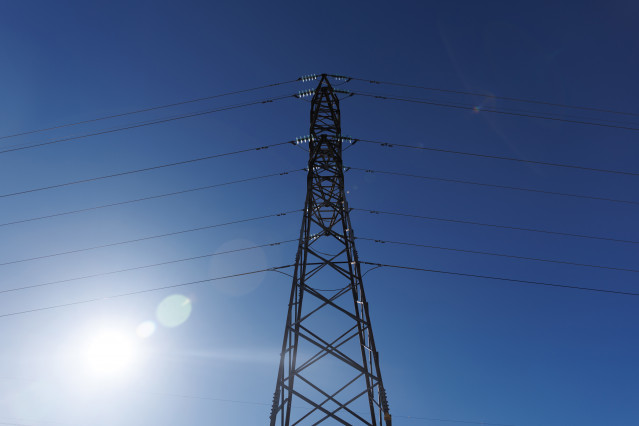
{"type": "Point", "coordinates": [305, 93]}
{"type": "Point", "coordinates": [344, 92]}
{"type": "Point", "coordinates": [346, 139]}
{"type": "Point", "coordinates": [340, 77]}
{"type": "Point", "coordinates": [304, 139]}
{"type": "Point", "coordinates": [309, 77]}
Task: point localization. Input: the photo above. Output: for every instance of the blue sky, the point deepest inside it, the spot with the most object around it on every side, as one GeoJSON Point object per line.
{"type": "Point", "coordinates": [451, 347]}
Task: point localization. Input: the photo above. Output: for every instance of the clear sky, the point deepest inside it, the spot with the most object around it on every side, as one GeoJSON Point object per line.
{"type": "Point", "coordinates": [459, 349]}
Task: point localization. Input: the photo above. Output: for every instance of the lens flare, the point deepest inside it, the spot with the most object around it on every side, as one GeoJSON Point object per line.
{"type": "Point", "coordinates": [174, 310]}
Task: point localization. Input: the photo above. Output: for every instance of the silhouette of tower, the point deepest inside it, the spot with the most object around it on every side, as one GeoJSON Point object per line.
{"type": "Point", "coordinates": [329, 367]}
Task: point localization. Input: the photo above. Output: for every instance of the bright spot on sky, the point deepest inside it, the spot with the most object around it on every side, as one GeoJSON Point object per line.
{"type": "Point", "coordinates": [145, 329]}
{"type": "Point", "coordinates": [174, 310]}
{"type": "Point", "coordinates": [110, 352]}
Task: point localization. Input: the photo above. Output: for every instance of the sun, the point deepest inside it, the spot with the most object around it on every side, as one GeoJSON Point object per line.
{"type": "Point", "coordinates": [110, 352]}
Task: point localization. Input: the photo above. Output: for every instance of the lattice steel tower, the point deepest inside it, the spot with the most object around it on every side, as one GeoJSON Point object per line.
{"type": "Point", "coordinates": [329, 367]}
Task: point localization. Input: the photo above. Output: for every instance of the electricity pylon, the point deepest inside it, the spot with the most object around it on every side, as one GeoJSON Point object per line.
{"type": "Point", "coordinates": [329, 367]}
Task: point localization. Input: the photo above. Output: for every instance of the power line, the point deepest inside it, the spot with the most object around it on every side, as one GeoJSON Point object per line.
{"type": "Point", "coordinates": [488, 253]}
{"type": "Point", "coordinates": [135, 123]}
{"type": "Point", "coordinates": [255, 403]}
{"type": "Point", "coordinates": [468, 182]}
{"type": "Point", "coordinates": [80, 302]}
{"type": "Point", "coordinates": [152, 197]}
{"type": "Point", "coordinates": [147, 109]}
{"type": "Point", "coordinates": [506, 98]}
{"type": "Point", "coordinates": [153, 265]}
{"type": "Point", "coordinates": [39, 422]}
{"type": "Point", "coordinates": [478, 108]}
{"type": "Point", "coordinates": [149, 123]}
{"type": "Point", "coordinates": [496, 111]}
{"type": "Point", "coordinates": [148, 238]}
{"type": "Point", "coordinates": [490, 277]}
{"type": "Point", "coordinates": [146, 169]}
{"type": "Point", "coordinates": [492, 225]}
{"type": "Point", "coordinates": [236, 401]}
{"type": "Point", "coordinates": [496, 157]}
{"type": "Point", "coordinates": [434, 419]}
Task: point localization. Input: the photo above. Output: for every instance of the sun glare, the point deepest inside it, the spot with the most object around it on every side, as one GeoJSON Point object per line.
{"type": "Point", "coordinates": [110, 352]}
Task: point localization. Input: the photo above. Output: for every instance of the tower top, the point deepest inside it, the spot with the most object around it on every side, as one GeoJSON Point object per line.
{"type": "Point", "coordinates": [325, 112]}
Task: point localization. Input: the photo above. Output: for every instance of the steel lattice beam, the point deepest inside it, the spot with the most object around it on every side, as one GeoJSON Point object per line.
{"type": "Point", "coordinates": [328, 334]}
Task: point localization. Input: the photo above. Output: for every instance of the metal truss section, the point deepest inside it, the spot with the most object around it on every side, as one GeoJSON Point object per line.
{"type": "Point", "coordinates": [329, 367]}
